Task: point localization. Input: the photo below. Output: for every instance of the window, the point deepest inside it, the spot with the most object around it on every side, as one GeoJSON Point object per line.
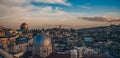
{"type": "Point", "coordinates": [36, 51]}
{"type": "Point", "coordinates": [44, 51]}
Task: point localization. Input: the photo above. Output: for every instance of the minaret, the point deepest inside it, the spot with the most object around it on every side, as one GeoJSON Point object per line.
{"type": "Point", "coordinates": [59, 27]}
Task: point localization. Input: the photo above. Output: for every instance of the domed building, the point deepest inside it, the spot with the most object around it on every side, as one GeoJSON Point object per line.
{"type": "Point", "coordinates": [24, 26]}
{"type": "Point", "coordinates": [42, 45]}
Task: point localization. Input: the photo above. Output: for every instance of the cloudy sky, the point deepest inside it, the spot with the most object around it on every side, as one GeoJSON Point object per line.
{"type": "Point", "coordinates": [50, 13]}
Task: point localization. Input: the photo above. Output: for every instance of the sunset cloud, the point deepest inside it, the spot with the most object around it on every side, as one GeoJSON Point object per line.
{"type": "Point", "coordinates": [14, 2]}
{"type": "Point", "coordinates": [23, 9]}
{"type": "Point", "coordinates": [101, 19]}
{"type": "Point", "coordinates": [60, 11]}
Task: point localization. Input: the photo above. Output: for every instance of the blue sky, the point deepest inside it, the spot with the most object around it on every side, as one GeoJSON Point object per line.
{"type": "Point", "coordinates": [64, 12]}
{"type": "Point", "coordinates": [86, 6]}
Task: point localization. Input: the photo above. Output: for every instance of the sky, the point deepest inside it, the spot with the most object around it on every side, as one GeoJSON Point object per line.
{"type": "Point", "coordinates": [51, 13]}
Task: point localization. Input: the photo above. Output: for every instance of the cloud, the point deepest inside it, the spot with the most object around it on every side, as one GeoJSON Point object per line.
{"type": "Point", "coordinates": [101, 19]}
{"type": "Point", "coordinates": [48, 11]}
{"type": "Point", "coordinates": [24, 2]}
{"type": "Point", "coordinates": [85, 7]}
{"type": "Point", "coordinates": [112, 14]}
{"type": "Point", "coordinates": [62, 2]}
{"type": "Point", "coordinates": [14, 2]}
{"type": "Point", "coordinates": [30, 12]}
{"type": "Point", "coordinates": [12, 9]}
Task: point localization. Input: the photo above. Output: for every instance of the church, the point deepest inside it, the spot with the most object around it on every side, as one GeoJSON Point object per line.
{"type": "Point", "coordinates": [42, 48]}
{"type": "Point", "coordinates": [42, 45]}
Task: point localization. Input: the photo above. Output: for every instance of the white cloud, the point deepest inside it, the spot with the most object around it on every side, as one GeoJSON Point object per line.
{"type": "Point", "coordinates": [31, 12]}
{"type": "Point", "coordinates": [63, 2]}
{"type": "Point", "coordinates": [85, 7]}
{"type": "Point", "coordinates": [49, 11]}
{"type": "Point", "coordinates": [12, 9]}
{"type": "Point", "coordinates": [22, 2]}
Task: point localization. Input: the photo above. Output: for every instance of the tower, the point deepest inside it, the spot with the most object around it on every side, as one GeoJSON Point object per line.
{"type": "Point", "coordinates": [59, 27]}
{"type": "Point", "coordinates": [73, 53]}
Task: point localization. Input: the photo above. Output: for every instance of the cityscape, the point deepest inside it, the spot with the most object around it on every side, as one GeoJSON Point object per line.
{"type": "Point", "coordinates": [59, 29]}
{"type": "Point", "coordinates": [97, 42]}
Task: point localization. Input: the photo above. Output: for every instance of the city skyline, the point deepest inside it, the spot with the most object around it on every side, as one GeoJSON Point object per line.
{"type": "Point", "coordinates": [71, 13]}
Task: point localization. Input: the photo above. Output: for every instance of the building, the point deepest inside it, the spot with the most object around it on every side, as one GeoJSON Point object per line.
{"type": "Point", "coordinates": [42, 45]}
{"type": "Point", "coordinates": [2, 31]}
{"type": "Point", "coordinates": [3, 42]}
{"type": "Point", "coordinates": [24, 28]}
{"type": "Point", "coordinates": [88, 41]}
{"type": "Point", "coordinates": [73, 53]}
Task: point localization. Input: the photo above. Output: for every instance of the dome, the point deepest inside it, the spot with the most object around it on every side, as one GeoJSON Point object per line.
{"type": "Point", "coordinates": [24, 26]}
{"type": "Point", "coordinates": [42, 39]}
